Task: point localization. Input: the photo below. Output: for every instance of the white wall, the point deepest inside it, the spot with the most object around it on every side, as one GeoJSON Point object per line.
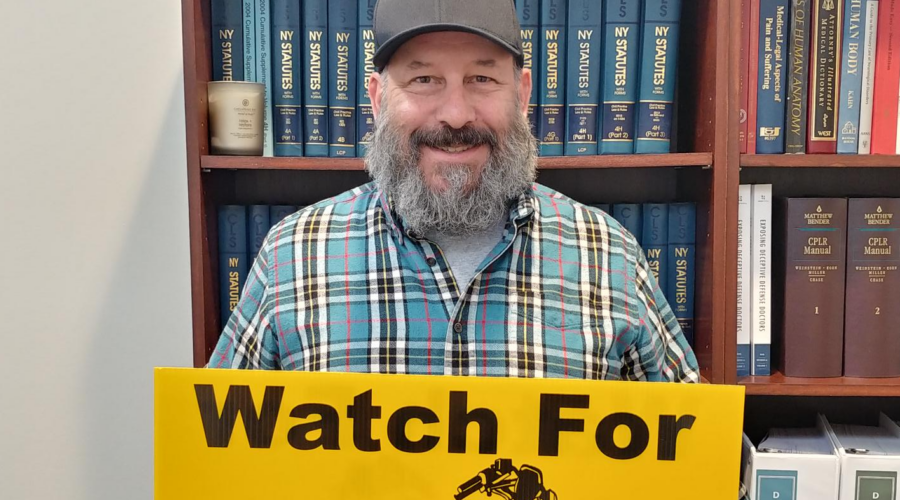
{"type": "Point", "coordinates": [95, 285]}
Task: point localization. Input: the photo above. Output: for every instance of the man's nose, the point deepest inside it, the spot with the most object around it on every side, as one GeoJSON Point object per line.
{"type": "Point", "coordinates": [455, 110]}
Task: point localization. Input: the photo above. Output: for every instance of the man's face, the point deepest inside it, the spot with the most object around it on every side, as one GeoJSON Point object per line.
{"type": "Point", "coordinates": [452, 138]}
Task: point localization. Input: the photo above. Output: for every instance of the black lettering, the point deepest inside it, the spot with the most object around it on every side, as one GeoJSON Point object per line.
{"type": "Point", "coordinates": [668, 434]}
{"type": "Point", "coordinates": [239, 400]}
{"type": "Point", "coordinates": [328, 425]}
{"type": "Point", "coordinates": [551, 425]}
{"type": "Point", "coordinates": [362, 412]}
{"type": "Point", "coordinates": [460, 419]}
{"type": "Point", "coordinates": [397, 429]}
{"type": "Point", "coordinates": [640, 436]}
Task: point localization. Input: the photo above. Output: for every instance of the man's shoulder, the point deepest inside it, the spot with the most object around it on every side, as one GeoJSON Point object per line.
{"type": "Point", "coordinates": [350, 204]}
{"type": "Point", "coordinates": [551, 206]}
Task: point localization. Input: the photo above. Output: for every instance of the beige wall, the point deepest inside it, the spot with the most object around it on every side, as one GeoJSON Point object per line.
{"type": "Point", "coordinates": [94, 288]}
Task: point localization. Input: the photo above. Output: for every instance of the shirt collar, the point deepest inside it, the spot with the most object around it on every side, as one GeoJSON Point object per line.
{"type": "Point", "coordinates": [520, 212]}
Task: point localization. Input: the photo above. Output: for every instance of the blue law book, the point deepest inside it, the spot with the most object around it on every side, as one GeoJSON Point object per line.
{"type": "Point", "coordinates": [770, 99]}
{"type": "Point", "coordinates": [257, 226]}
{"type": "Point", "coordinates": [621, 48]}
{"type": "Point", "coordinates": [263, 47]}
{"type": "Point", "coordinates": [552, 97]}
{"type": "Point", "coordinates": [583, 79]}
{"type": "Point", "coordinates": [248, 9]}
{"type": "Point", "coordinates": [529, 12]}
{"type": "Point", "coordinates": [365, 119]}
{"type": "Point", "coordinates": [681, 261]}
{"type": "Point", "coordinates": [659, 65]}
{"type": "Point", "coordinates": [851, 76]}
{"type": "Point", "coordinates": [277, 213]}
{"type": "Point", "coordinates": [286, 78]}
{"type": "Point", "coordinates": [603, 206]}
{"type": "Point", "coordinates": [227, 39]}
{"type": "Point", "coordinates": [315, 83]}
{"type": "Point", "coordinates": [629, 215]}
{"type": "Point", "coordinates": [233, 260]}
{"type": "Point", "coordinates": [655, 241]}
{"type": "Point", "coordinates": [342, 48]}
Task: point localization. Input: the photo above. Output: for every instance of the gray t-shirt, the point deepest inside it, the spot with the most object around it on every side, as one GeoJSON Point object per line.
{"type": "Point", "coordinates": [465, 253]}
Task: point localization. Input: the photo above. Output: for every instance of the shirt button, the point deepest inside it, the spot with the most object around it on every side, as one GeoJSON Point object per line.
{"type": "Point", "coordinates": [431, 261]}
{"type": "Point", "coordinates": [457, 327]}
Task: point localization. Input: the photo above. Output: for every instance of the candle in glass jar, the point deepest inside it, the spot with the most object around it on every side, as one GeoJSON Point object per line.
{"type": "Point", "coordinates": [236, 118]}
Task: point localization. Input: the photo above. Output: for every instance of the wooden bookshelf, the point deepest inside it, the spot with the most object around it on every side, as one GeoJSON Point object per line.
{"type": "Point", "coordinates": [702, 168]}
{"type": "Point", "coordinates": [821, 161]}
{"type": "Point", "coordinates": [703, 160]}
{"type": "Point", "coordinates": [779, 385]}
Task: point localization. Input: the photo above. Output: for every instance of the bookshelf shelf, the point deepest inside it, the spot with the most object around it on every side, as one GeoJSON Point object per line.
{"type": "Point", "coordinates": [821, 161]}
{"type": "Point", "coordinates": [703, 160]}
{"type": "Point", "coordinates": [779, 385]}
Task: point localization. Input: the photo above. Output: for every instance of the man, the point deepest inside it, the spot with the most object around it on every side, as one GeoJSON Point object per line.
{"type": "Point", "coordinates": [453, 261]}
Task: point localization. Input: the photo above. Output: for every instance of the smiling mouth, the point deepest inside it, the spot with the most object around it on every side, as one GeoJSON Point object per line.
{"type": "Point", "coordinates": [456, 148]}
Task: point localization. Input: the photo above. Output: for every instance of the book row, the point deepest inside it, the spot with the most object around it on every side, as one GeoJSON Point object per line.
{"type": "Point", "coordinates": [820, 76]}
{"type": "Point", "coordinates": [827, 462]}
{"type": "Point", "coordinates": [665, 231]}
{"type": "Point", "coordinates": [834, 298]}
{"type": "Point", "coordinates": [603, 72]}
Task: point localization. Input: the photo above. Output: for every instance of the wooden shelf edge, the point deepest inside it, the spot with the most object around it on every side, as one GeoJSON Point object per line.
{"type": "Point", "coordinates": [821, 161]}
{"type": "Point", "coordinates": [546, 163]}
{"type": "Point", "coordinates": [779, 385]}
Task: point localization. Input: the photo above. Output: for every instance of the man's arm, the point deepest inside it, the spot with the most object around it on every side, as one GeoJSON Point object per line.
{"type": "Point", "coordinates": [661, 352]}
{"type": "Point", "coordinates": [248, 340]}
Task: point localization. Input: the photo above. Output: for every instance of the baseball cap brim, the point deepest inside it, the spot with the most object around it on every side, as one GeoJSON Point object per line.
{"type": "Point", "coordinates": [386, 50]}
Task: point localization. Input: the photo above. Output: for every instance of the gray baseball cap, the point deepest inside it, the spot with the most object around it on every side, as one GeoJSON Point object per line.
{"type": "Point", "coordinates": [396, 21]}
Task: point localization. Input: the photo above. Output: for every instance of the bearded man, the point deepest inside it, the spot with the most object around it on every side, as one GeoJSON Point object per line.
{"type": "Point", "coordinates": [453, 261]}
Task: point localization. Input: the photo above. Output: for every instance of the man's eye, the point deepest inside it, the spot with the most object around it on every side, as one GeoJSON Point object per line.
{"type": "Point", "coordinates": [483, 79]}
{"type": "Point", "coordinates": [423, 79]}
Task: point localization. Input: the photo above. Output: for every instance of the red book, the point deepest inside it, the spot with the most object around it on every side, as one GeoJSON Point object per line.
{"type": "Point", "coordinates": [887, 79]}
{"type": "Point", "coordinates": [752, 75]}
{"type": "Point", "coordinates": [745, 70]}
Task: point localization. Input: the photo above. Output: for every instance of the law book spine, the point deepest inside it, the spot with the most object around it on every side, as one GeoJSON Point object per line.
{"type": "Point", "coordinates": [761, 293]}
{"type": "Point", "coordinates": [868, 78]}
{"type": "Point", "coordinates": [682, 263]}
{"type": "Point", "coordinates": [258, 224]}
{"type": "Point", "coordinates": [744, 229]}
{"type": "Point", "coordinates": [631, 218]}
{"type": "Point", "coordinates": [743, 77]}
{"type": "Point", "coordinates": [851, 77]}
{"type": "Point", "coordinates": [551, 122]}
{"type": "Point", "coordinates": [605, 207]}
{"type": "Point", "coordinates": [887, 78]}
{"type": "Point", "coordinates": [233, 261]}
{"type": "Point", "coordinates": [248, 9]}
{"type": "Point", "coordinates": [263, 47]}
{"type": "Point", "coordinates": [871, 339]}
{"type": "Point", "coordinates": [812, 256]}
{"type": "Point", "coordinates": [825, 77]}
{"type": "Point", "coordinates": [753, 77]}
{"type": "Point", "coordinates": [342, 47]}
{"type": "Point", "coordinates": [277, 213]}
{"type": "Point", "coordinates": [659, 63]}
{"type": "Point", "coordinates": [528, 12]}
{"type": "Point", "coordinates": [797, 79]}
{"type": "Point", "coordinates": [315, 83]}
{"type": "Point", "coordinates": [365, 119]}
{"type": "Point", "coordinates": [655, 240]}
{"type": "Point", "coordinates": [583, 87]}
{"type": "Point", "coordinates": [287, 77]}
{"type": "Point", "coordinates": [773, 19]}
{"type": "Point", "coordinates": [227, 37]}
{"type": "Point", "coordinates": [619, 77]}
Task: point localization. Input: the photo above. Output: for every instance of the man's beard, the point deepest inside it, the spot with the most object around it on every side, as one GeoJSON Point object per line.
{"type": "Point", "coordinates": [467, 204]}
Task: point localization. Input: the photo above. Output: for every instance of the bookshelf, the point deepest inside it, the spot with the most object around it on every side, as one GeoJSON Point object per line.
{"type": "Point", "coordinates": [705, 155]}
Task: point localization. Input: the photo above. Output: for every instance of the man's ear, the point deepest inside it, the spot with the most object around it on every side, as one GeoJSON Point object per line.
{"type": "Point", "coordinates": [524, 90]}
{"type": "Point", "coordinates": [375, 83]}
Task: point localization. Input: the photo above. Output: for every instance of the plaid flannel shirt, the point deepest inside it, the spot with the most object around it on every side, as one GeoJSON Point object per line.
{"type": "Point", "coordinates": [342, 286]}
